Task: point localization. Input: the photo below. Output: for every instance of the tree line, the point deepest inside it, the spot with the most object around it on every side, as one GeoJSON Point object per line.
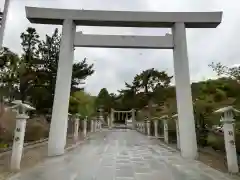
{"type": "Point", "coordinates": [152, 94]}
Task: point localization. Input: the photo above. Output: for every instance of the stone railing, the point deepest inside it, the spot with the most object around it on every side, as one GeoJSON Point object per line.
{"type": "Point", "coordinates": [145, 127]}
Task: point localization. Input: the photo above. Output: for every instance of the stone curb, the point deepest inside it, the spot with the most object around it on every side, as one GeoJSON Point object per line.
{"type": "Point", "coordinates": [40, 144]}
{"type": "Point", "coordinates": [30, 146]}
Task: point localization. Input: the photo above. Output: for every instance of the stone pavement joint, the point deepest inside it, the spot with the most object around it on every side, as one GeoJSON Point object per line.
{"type": "Point", "coordinates": [121, 155]}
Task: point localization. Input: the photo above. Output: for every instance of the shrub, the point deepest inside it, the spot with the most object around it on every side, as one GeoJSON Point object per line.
{"type": "Point", "coordinates": [216, 141]}
{"type": "Point", "coordinates": [219, 96]}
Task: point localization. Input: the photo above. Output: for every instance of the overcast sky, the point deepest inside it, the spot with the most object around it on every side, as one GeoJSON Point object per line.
{"type": "Point", "coordinates": [115, 66]}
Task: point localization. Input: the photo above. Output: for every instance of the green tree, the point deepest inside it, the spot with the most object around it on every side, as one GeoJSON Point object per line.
{"type": "Point", "coordinates": [33, 76]}
{"type": "Point", "coordinates": [128, 96]}
{"type": "Point", "coordinates": [82, 103]}
{"type": "Point", "coordinates": [220, 69]}
{"type": "Point", "coordinates": [9, 64]}
{"type": "Point", "coordinates": [49, 50]}
{"type": "Point", "coordinates": [9, 74]}
{"type": "Point", "coordinates": [152, 82]}
{"type": "Point", "coordinates": [231, 73]}
{"type": "Point", "coordinates": [28, 65]}
{"type": "Point", "coordinates": [103, 100]}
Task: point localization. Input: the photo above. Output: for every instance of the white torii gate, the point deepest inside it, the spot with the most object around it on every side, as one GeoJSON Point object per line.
{"type": "Point", "coordinates": [178, 21]}
{"type": "Point", "coordinates": [122, 113]}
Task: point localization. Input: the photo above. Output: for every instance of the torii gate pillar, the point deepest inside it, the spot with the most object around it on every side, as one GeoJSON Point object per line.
{"type": "Point", "coordinates": [58, 127]}
{"type": "Point", "coordinates": [188, 143]}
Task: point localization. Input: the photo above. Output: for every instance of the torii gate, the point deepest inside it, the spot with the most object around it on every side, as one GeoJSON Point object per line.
{"type": "Point", "coordinates": [119, 113]}
{"type": "Point", "coordinates": [178, 21]}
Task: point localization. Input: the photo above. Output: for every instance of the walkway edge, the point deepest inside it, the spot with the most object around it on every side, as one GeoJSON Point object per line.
{"type": "Point", "coordinates": [77, 144]}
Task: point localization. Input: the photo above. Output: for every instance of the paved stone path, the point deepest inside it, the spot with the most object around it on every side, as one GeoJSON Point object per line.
{"type": "Point", "coordinates": [121, 155]}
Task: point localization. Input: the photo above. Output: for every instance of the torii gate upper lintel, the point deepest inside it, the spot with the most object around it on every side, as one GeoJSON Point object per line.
{"type": "Point", "coordinates": [123, 18]}
{"type": "Point", "coordinates": [178, 21]}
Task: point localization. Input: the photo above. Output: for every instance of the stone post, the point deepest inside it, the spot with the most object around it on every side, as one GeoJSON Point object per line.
{"type": "Point", "coordinates": [101, 119]}
{"type": "Point", "coordinates": [143, 127]}
{"type": "Point", "coordinates": [188, 142]}
{"type": "Point", "coordinates": [58, 127]}
{"type": "Point", "coordinates": [177, 130]}
{"type": "Point", "coordinates": [19, 134]}
{"type": "Point", "coordinates": [92, 126]}
{"type": "Point", "coordinates": [229, 137]}
{"type": "Point", "coordinates": [109, 123]}
{"type": "Point", "coordinates": [148, 127]}
{"type": "Point", "coordinates": [99, 125]}
{"type": "Point", "coordinates": [133, 119]}
{"type": "Point", "coordinates": [112, 117]}
{"type": "Point", "coordinates": [96, 125]}
{"type": "Point", "coordinates": [165, 124]}
{"type": "Point", "coordinates": [84, 124]}
{"type": "Point", "coordinates": [126, 121]}
{"type": "Point", "coordinates": [18, 141]}
{"type": "Point", "coordinates": [156, 128]}
{"type": "Point", "coordinates": [76, 129]}
{"type": "Point", "coordinates": [70, 127]}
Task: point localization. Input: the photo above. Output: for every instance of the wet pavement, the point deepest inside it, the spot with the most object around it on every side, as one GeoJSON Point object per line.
{"type": "Point", "coordinates": [121, 155]}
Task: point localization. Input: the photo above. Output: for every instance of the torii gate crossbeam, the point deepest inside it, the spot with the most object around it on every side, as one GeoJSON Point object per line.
{"type": "Point", "coordinates": [116, 41]}
{"type": "Point", "coordinates": [178, 21]}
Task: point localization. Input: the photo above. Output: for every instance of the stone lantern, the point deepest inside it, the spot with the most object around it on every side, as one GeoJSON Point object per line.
{"type": "Point", "coordinates": [19, 133]}
{"type": "Point", "coordinates": [227, 119]}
